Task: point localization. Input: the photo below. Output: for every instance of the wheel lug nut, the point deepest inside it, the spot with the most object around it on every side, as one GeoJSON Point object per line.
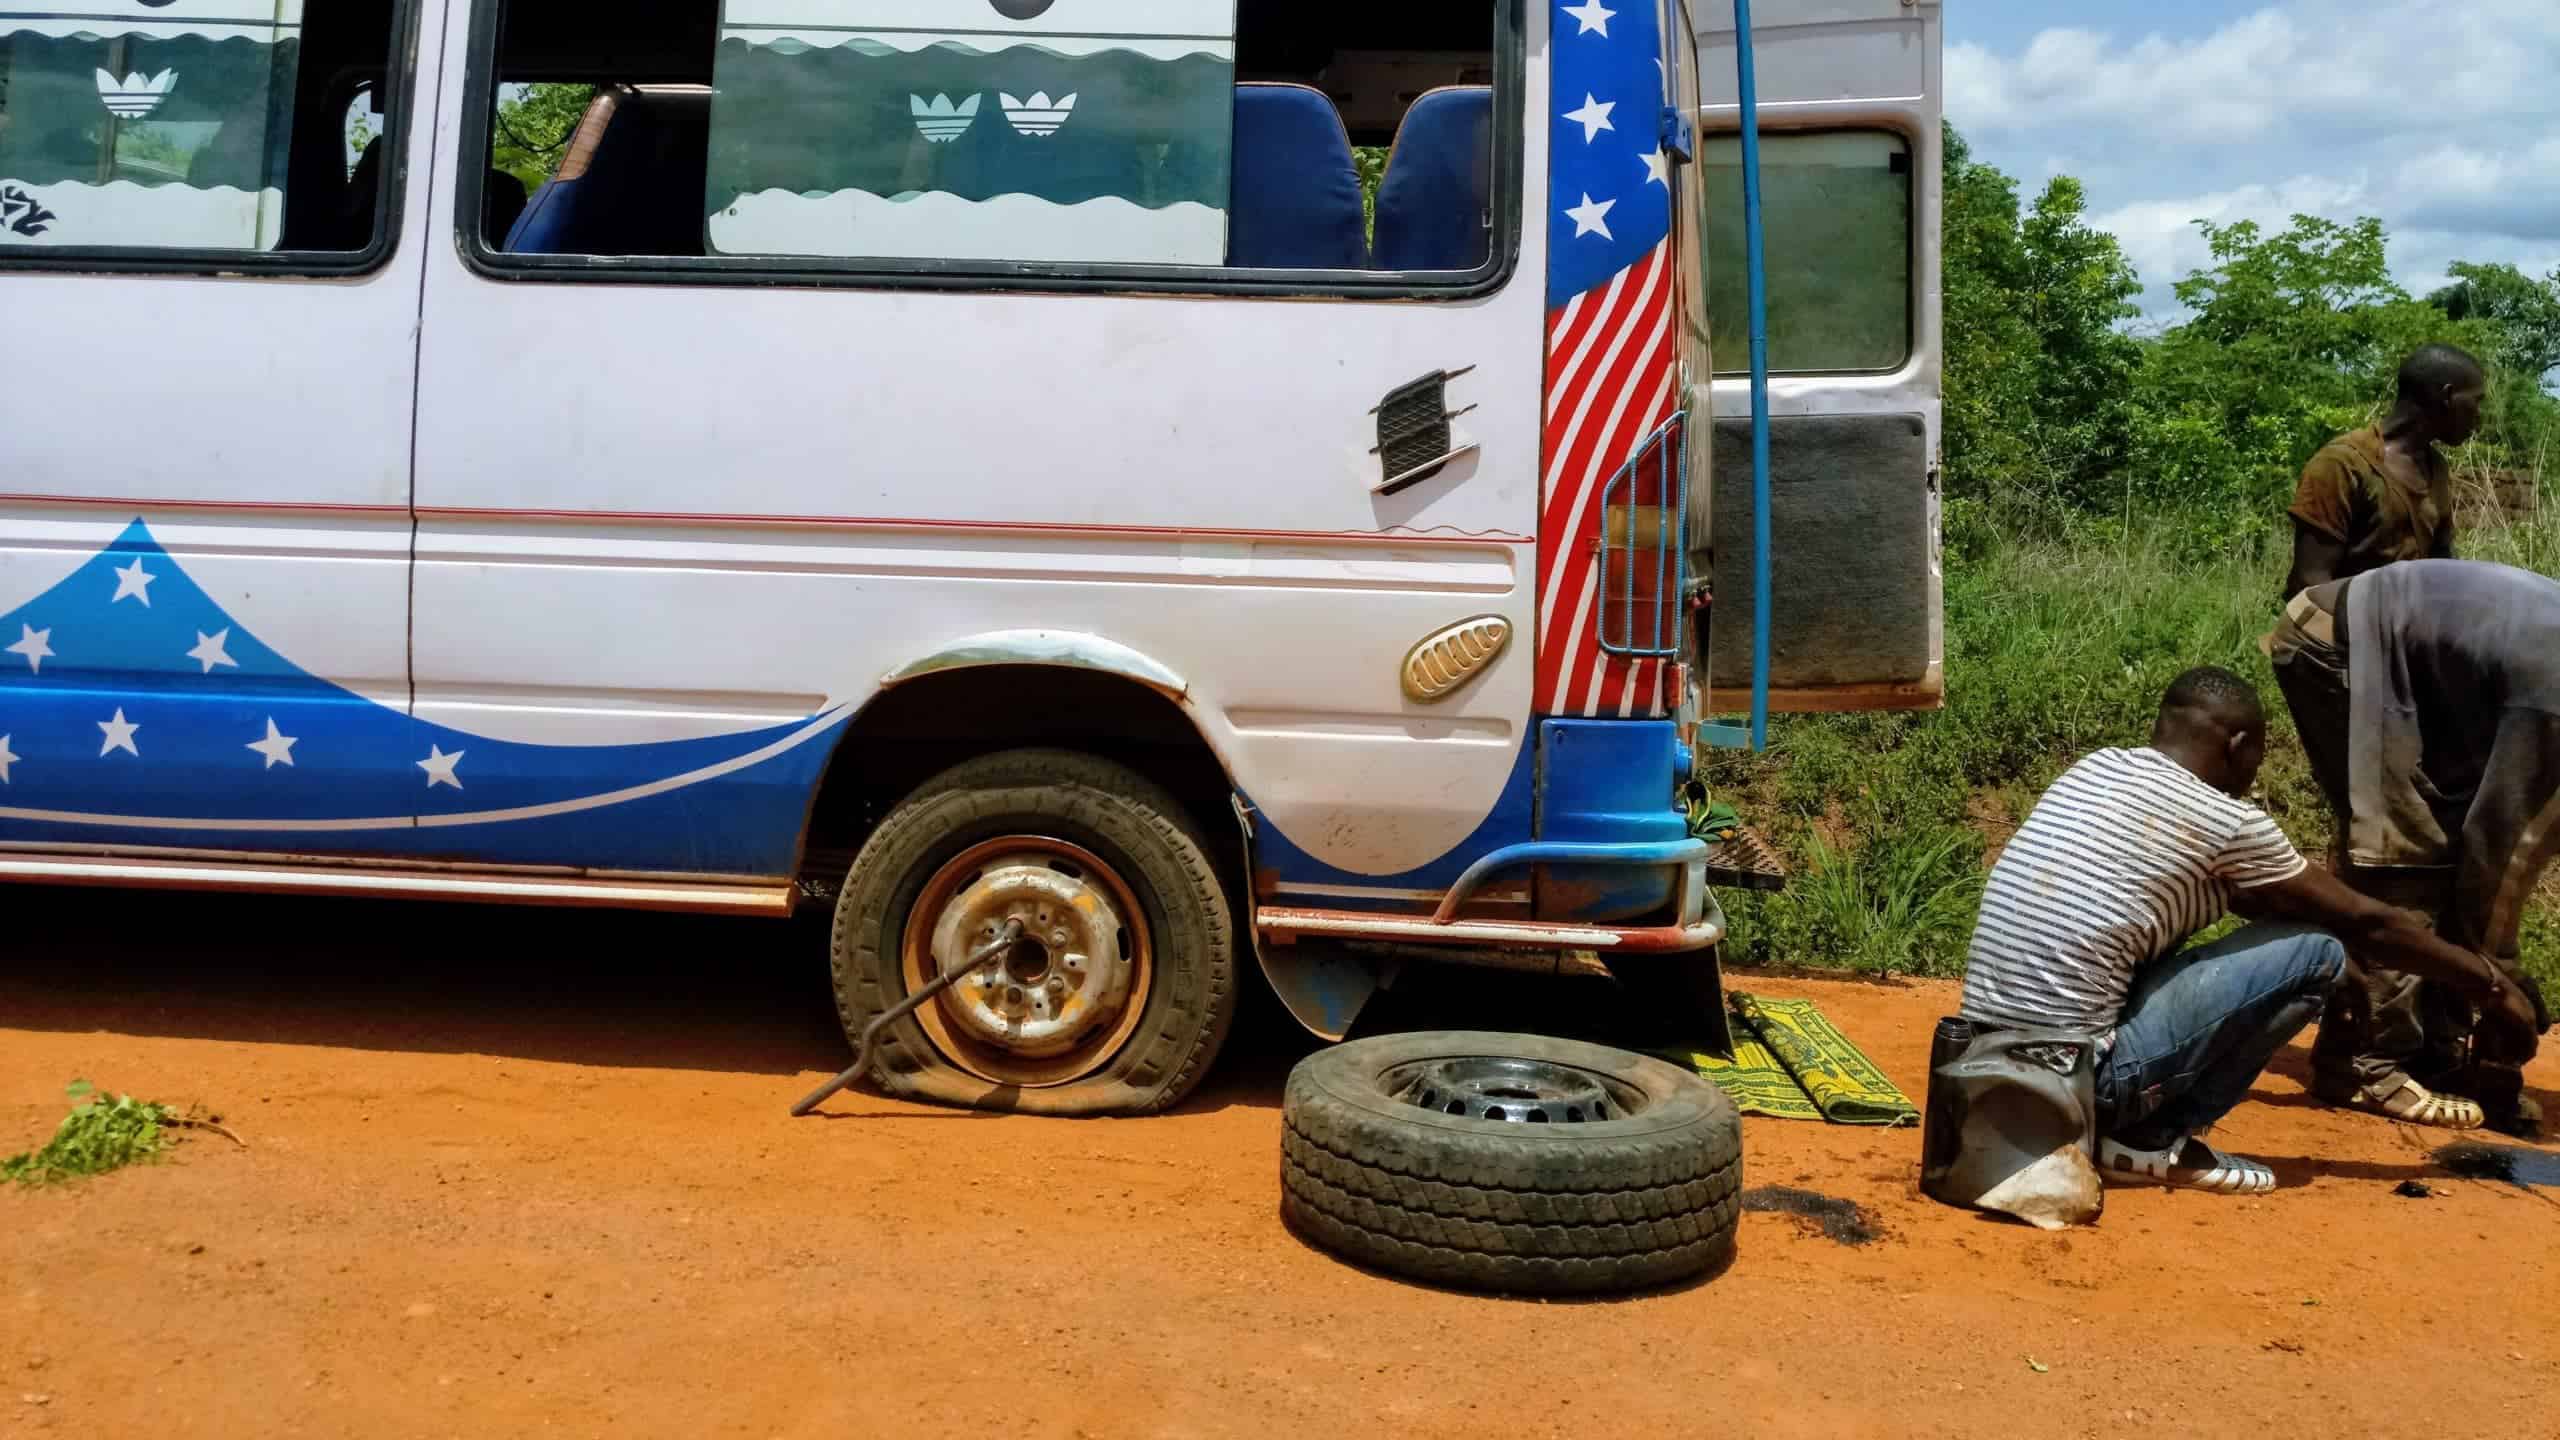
{"type": "Point", "coordinates": [1058, 937]}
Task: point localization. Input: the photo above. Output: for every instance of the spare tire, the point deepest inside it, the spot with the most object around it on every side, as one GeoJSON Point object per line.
{"type": "Point", "coordinates": [1510, 1162]}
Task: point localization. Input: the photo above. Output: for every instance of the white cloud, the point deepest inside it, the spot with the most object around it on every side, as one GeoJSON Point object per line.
{"type": "Point", "coordinates": [2334, 62]}
{"type": "Point", "coordinates": [2511, 192]}
{"type": "Point", "coordinates": [2440, 119]}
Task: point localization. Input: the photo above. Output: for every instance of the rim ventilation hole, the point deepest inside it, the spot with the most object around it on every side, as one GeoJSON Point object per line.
{"type": "Point", "coordinates": [1537, 1117]}
{"type": "Point", "coordinates": [1573, 1114]}
{"type": "Point", "coordinates": [1495, 1112]}
{"type": "Point", "coordinates": [1457, 1107]}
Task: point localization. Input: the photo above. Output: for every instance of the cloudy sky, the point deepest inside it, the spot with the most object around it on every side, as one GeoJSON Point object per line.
{"type": "Point", "coordinates": [2440, 116]}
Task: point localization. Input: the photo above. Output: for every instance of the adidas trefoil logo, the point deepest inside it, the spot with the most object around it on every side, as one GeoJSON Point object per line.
{"type": "Point", "coordinates": [941, 121]}
{"type": "Point", "coordinates": [136, 95]}
{"type": "Point", "coordinates": [1038, 116]}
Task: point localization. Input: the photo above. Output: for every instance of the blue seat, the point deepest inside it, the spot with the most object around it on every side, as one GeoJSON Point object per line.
{"type": "Point", "coordinates": [631, 183]}
{"type": "Point", "coordinates": [1435, 206]}
{"type": "Point", "coordinates": [1296, 202]}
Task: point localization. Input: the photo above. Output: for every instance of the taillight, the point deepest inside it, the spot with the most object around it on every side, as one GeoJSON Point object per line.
{"type": "Point", "coordinates": [1644, 554]}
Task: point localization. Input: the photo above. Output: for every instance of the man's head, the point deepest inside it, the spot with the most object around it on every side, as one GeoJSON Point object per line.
{"type": "Point", "coordinates": [2211, 722]}
{"type": "Point", "coordinates": [2446, 386]}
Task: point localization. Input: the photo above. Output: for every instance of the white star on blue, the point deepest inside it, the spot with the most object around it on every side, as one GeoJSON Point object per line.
{"type": "Point", "coordinates": [1601, 150]}
{"type": "Point", "coordinates": [145, 713]}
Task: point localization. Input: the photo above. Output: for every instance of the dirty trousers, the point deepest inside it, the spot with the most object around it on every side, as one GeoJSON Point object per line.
{"type": "Point", "coordinates": [2382, 1024]}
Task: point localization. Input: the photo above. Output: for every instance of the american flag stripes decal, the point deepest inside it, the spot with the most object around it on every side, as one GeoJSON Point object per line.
{"type": "Point", "coordinates": [1611, 291]}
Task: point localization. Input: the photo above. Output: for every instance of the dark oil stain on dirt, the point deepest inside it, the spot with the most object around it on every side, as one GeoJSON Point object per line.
{"type": "Point", "coordinates": [1840, 1220]}
{"type": "Point", "coordinates": [2511, 1163]}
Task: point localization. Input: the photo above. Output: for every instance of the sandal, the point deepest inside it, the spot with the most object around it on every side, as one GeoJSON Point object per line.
{"type": "Point", "coordinates": [2190, 1164]}
{"type": "Point", "coordinates": [2415, 1104]}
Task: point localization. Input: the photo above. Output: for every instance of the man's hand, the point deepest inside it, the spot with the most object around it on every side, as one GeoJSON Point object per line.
{"type": "Point", "coordinates": [2378, 934]}
{"type": "Point", "coordinates": [2511, 1023]}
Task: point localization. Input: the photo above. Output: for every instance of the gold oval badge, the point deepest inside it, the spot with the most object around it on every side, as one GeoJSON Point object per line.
{"type": "Point", "coordinates": [1447, 659]}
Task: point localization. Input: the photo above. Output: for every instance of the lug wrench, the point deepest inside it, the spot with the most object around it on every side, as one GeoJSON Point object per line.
{"type": "Point", "coordinates": [866, 1048]}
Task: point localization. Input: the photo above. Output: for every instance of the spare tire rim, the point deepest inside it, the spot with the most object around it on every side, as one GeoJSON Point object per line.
{"type": "Point", "coordinates": [1066, 996]}
{"type": "Point", "coordinates": [1512, 1090]}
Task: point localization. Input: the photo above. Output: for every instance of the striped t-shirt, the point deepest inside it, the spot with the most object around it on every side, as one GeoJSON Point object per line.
{"type": "Point", "coordinates": [2125, 857]}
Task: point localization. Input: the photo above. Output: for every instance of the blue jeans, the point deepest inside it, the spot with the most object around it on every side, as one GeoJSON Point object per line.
{"type": "Point", "coordinates": [2200, 1025]}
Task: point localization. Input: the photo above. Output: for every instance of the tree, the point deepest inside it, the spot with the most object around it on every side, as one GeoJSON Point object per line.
{"type": "Point", "coordinates": [2526, 312]}
{"type": "Point", "coordinates": [2292, 338]}
{"type": "Point", "coordinates": [2039, 370]}
{"type": "Point", "coordinates": [534, 123]}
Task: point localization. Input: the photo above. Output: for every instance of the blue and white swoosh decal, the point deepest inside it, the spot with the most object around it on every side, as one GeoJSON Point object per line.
{"type": "Point", "coordinates": [134, 707]}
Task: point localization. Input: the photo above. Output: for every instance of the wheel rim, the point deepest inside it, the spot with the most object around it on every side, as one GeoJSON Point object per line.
{"type": "Point", "coordinates": [1512, 1090]}
{"type": "Point", "coordinates": [1067, 995]}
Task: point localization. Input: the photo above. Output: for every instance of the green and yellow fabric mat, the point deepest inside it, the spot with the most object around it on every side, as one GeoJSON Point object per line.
{"type": "Point", "coordinates": [1790, 1063]}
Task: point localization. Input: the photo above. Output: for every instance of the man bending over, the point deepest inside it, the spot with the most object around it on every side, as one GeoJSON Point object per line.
{"type": "Point", "coordinates": [2428, 697]}
{"type": "Point", "coordinates": [2129, 854]}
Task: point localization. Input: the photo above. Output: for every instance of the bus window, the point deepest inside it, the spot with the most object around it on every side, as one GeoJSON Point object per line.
{"type": "Point", "coordinates": [894, 134]}
{"type": "Point", "coordinates": [1045, 144]}
{"type": "Point", "coordinates": [1836, 212]}
{"type": "Point", "coordinates": [219, 126]}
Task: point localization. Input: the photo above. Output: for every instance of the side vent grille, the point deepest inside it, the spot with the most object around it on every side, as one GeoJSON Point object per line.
{"type": "Point", "coordinates": [1445, 661]}
{"type": "Point", "coordinates": [1414, 439]}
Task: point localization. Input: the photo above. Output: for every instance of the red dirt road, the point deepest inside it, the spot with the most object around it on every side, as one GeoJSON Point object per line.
{"type": "Point", "coordinates": [518, 1173]}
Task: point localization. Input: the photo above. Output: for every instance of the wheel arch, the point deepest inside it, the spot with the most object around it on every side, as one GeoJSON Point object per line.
{"type": "Point", "coordinates": [1020, 688]}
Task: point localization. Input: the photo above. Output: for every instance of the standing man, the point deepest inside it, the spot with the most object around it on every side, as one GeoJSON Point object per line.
{"type": "Point", "coordinates": [2385, 493]}
{"type": "Point", "coordinates": [2428, 697]}
{"type": "Point", "coordinates": [2130, 853]}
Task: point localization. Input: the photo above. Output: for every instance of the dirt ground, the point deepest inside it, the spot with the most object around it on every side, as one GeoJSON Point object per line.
{"type": "Point", "coordinates": [528, 1173]}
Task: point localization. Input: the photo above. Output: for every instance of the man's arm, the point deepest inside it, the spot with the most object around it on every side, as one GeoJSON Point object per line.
{"type": "Point", "coordinates": [2326, 502]}
{"type": "Point", "coordinates": [2385, 936]}
{"type": "Point", "coordinates": [2316, 558]}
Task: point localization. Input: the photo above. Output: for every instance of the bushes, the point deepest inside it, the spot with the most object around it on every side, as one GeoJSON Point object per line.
{"type": "Point", "coordinates": [2057, 414]}
{"type": "Point", "coordinates": [2114, 515]}
{"type": "Point", "coordinates": [2055, 647]}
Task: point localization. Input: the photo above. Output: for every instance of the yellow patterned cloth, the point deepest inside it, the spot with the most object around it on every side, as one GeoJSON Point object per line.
{"type": "Point", "coordinates": [1790, 1063]}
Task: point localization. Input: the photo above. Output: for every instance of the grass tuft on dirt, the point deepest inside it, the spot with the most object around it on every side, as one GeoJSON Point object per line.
{"type": "Point", "coordinates": [100, 1134]}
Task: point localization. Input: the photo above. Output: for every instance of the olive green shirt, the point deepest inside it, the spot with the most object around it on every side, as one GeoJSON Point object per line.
{"type": "Point", "coordinates": [2348, 493]}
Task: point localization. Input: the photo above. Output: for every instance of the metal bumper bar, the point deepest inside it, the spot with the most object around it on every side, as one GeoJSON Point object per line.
{"type": "Point", "coordinates": [1701, 924]}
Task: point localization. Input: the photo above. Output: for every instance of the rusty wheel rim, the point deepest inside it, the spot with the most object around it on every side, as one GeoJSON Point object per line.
{"type": "Point", "coordinates": [1068, 995]}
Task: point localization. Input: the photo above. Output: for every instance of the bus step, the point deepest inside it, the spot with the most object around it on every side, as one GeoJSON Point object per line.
{"type": "Point", "coordinates": [1744, 861]}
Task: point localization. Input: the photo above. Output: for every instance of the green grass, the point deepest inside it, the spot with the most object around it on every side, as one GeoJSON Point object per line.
{"type": "Point", "coordinates": [2055, 647]}
{"type": "Point", "coordinates": [100, 1134]}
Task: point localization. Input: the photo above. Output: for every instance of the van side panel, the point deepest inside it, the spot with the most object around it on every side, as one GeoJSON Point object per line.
{"type": "Point", "coordinates": [204, 531]}
{"type": "Point", "coordinates": [651, 513]}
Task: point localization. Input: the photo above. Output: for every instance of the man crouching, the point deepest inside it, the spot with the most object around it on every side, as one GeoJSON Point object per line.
{"type": "Point", "coordinates": [2129, 854]}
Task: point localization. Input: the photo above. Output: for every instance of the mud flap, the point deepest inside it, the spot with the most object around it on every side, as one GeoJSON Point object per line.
{"type": "Point", "coordinates": [1683, 994]}
{"type": "Point", "coordinates": [1322, 987]}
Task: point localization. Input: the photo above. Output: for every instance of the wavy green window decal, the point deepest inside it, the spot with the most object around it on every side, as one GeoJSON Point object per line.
{"type": "Point", "coordinates": [1096, 131]}
{"type": "Point", "coordinates": [124, 122]}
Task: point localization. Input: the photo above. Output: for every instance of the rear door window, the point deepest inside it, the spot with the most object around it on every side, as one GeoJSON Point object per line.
{"type": "Point", "coordinates": [1836, 212]}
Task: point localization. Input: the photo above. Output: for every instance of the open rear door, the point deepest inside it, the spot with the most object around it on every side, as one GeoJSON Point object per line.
{"type": "Point", "coordinates": [1849, 101]}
